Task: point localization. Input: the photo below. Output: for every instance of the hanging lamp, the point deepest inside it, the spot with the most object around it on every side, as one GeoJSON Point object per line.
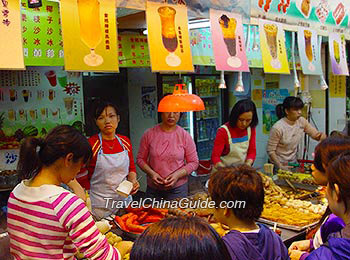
{"type": "Point", "coordinates": [239, 86]}
{"type": "Point", "coordinates": [222, 80]}
{"type": "Point", "coordinates": [180, 101]}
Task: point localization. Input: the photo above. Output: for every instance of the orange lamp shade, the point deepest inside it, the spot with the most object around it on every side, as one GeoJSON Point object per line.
{"type": "Point", "coordinates": [180, 101]}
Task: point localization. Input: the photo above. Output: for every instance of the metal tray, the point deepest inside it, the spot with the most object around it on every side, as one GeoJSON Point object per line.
{"type": "Point", "coordinates": [285, 226]}
{"type": "Point", "coordinates": [282, 182]}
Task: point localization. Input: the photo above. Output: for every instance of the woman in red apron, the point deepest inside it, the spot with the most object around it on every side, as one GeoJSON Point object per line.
{"type": "Point", "coordinates": [235, 141]}
{"type": "Point", "coordinates": [111, 164]}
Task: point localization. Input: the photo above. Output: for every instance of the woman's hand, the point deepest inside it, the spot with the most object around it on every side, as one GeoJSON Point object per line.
{"type": "Point", "coordinates": [295, 254]}
{"type": "Point", "coordinates": [157, 179]}
{"type": "Point", "coordinates": [171, 180]}
{"type": "Point", "coordinates": [303, 245]}
{"type": "Point", "coordinates": [132, 177]}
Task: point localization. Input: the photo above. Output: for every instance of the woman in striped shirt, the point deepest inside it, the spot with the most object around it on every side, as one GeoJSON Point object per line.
{"type": "Point", "coordinates": [46, 221]}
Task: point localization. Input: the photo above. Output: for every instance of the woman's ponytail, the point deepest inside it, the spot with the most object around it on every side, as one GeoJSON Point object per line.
{"type": "Point", "coordinates": [29, 163]}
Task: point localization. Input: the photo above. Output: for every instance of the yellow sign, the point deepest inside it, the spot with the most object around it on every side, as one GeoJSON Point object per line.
{"type": "Point", "coordinates": [168, 37]}
{"type": "Point", "coordinates": [11, 49]}
{"type": "Point", "coordinates": [257, 97]}
{"type": "Point", "coordinates": [273, 47]}
{"type": "Point", "coordinates": [89, 35]}
{"type": "Point", "coordinates": [337, 86]}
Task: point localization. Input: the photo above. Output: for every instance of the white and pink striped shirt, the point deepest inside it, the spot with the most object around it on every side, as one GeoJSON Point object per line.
{"type": "Point", "coordinates": [49, 222]}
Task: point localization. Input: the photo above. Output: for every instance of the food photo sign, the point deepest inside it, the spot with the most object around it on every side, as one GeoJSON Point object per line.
{"type": "Point", "coordinates": [36, 100]}
{"type": "Point", "coordinates": [168, 37]}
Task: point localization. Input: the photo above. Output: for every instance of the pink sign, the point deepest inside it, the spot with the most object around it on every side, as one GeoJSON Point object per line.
{"type": "Point", "coordinates": [228, 41]}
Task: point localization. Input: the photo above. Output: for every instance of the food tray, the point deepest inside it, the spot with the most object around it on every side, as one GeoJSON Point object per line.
{"type": "Point", "coordinates": [282, 182]}
{"type": "Point", "coordinates": [125, 235]}
{"type": "Point", "coordinates": [285, 226]}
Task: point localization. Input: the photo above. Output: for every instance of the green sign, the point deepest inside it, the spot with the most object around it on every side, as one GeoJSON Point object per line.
{"type": "Point", "coordinates": [133, 51]}
{"type": "Point", "coordinates": [42, 35]}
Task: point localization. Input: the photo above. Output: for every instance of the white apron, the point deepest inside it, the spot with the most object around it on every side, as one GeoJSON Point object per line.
{"type": "Point", "coordinates": [110, 171]}
{"type": "Point", "coordinates": [238, 149]}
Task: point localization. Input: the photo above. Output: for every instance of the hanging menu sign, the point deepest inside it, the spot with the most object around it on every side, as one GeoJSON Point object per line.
{"type": "Point", "coordinates": [89, 35]}
{"type": "Point", "coordinates": [42, 35]}
{"type": "Point", "coordinates": [338, 54]}
{"type": "Point", "coordinates": [168, 37]}
{"type": "Point", "coordinates": [11, 50]}
{"type": "Point", "coordinates": [309, 51]}
{"type": "Point", "coordinates": [228, 41]}
{"type": "Point", "coordinates": [273, 48]}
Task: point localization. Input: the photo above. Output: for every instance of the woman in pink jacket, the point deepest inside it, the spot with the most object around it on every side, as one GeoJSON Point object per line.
{"type": "Point", "coordinates": [167, 154]}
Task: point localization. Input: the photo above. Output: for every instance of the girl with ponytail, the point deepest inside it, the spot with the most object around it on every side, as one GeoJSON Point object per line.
{"type": "Point", "coordinates": [45, 220]}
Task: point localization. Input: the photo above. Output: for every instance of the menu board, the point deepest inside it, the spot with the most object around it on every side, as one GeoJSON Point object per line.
{"type": "Point", "coordinates": [338, 54]}
{"type": "Point", "coordinates": [36, 100]}
{"type": "Point", "coordinates": [168, 37]}
{"type": "Point", "coordinates": [42, 34]}
{"type": "Point", "coordinates": [309, 51]}
{"type": "Point", "coordinates": [273, 48]}
{"type": "Point", "coordinates": [89, 35]}
{"type": "Point", "coordinates": [133, 51]}
{"type": "Point", "coordinates": [228, 41]}
{"type": "Point", "coordinates": [202, 47]}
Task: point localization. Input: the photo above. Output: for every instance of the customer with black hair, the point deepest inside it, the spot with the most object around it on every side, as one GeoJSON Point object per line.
{"type": "Point", "coordinates": [175, 238]}
{"type": "Point", "coordinates": [287, 133]}
{"type": "Point", "coordinates": [46, 221]}
{"type": "Point", "coordinates": [337, 244]}
{"type": "Point", "coordinates": [112, 162]}
{"type": "Point", "coordinates": [235, 141]}
{"type": "Point", "coordinates": [243, 186]}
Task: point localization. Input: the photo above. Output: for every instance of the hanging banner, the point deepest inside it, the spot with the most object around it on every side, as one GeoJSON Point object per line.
{"type": "Point", "coordinates": [168, 37]}
{"type": "Point", "coordinates": [273, 47]}
{"type": "Point", "coordinates": [11, 49]}
{"type": "Point", "coordinates": [228, 41]}
{"type": "Point", "coordinates": [133, 51]}
{"type": "Point", "coordinates": [197, 8]}
{"type": "Point", "coordinates": [270, 99]}
{"type": "Point", "coordinates": [89, 35]}
{"type": "Point", "coordinates": [202, 47]}
{"type": "Point", "coordinates": [42, 34]}
{"type": "Point", "coordinates": [337, 54]}
{"type": "Point", "coordinates": [253, 49]}
{"type": "Point", "coordinates": [309, 51]}
{"type": "Point", "coordinates": [324, 16]}
{"type": "Point", "coordinates": [288, 36]}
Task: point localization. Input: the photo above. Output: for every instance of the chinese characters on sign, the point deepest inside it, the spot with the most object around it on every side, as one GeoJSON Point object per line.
{"type": "Point", "coordinates": [42, 36]}
{"type": "Point", "coordinates": [133, 51]}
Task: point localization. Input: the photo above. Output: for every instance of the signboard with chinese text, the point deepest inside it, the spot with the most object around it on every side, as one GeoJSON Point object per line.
{"type": "Point", "coordinates": [273, 48]}
{"type": "Point", "coordinates": [42, 34]}
{"type": "Point", "coordinates": [202, 47]}
{"type": "Point", "coordinates": [309, 52]}
{"type": "Point", "coordinates": [324, 16]}
{"type": "Point", "coordinates": [337, 53]}
{"type": "Point", "coordinates": [89, 35]}
{"type": "Point", "coordinates": [133, 51]}
{"type": "Point", "coordinates": [337, 86]}
{"type": "Point", "coordinates": [168, 37]}
{"type": "Point", "coordinates": [228, 41]}
{"type": "Point", "coordinates": [253, 49]}
{"type": "Point", "coordinates": [11, 49]}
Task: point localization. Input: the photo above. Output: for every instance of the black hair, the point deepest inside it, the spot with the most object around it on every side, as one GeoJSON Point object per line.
{"type": "Point", "coordinates": [239, 183]}
{"type": "Point", "coordinates": [243, 106]}
{"type": "Point", "coordinates": [59, 142]}
{"type": "Point", "coordinates": [185, 238]}
{"type": "Point", "coordinates": [288, 103]}
{"type": "Point", "coordinates": [101, 106]}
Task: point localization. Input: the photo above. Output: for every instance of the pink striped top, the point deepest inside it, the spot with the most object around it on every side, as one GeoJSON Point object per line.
{"type": "Point", "coordinates": [49, 222]}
